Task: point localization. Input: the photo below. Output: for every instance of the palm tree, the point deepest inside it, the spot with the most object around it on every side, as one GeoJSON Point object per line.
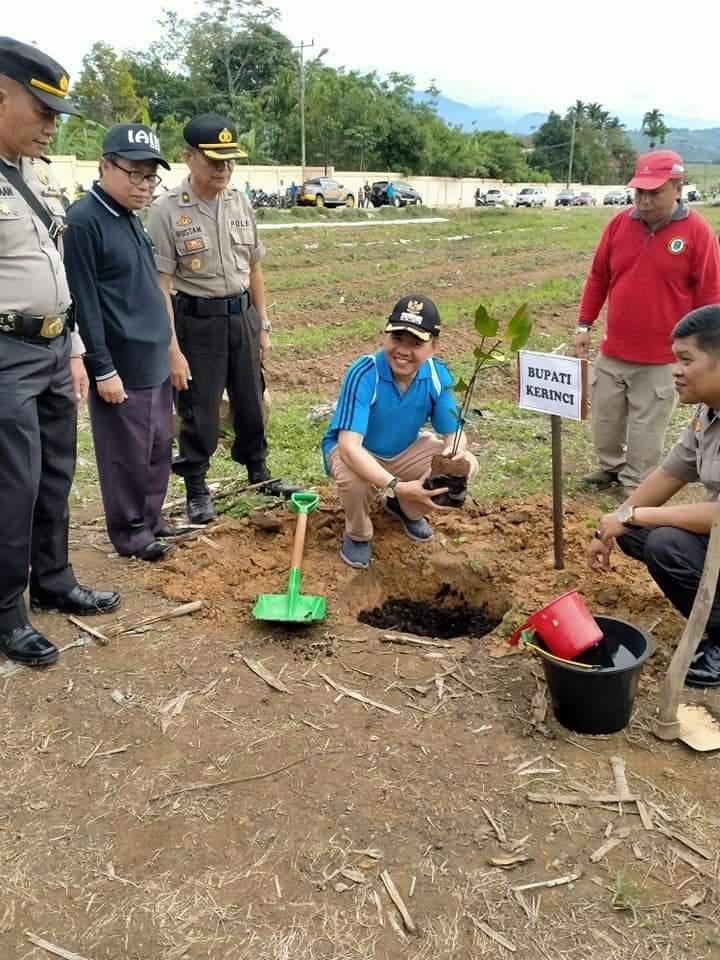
{"type": "Point", "coordinates": [653, 127]}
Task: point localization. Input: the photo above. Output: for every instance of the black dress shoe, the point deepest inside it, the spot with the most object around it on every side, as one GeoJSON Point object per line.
{"type": "Point", "coordinates": [27, 645]}
{"type": "Point", "coordinates": [167, 531]}
{"type": "Point", "coordinates": [80, 600]}
{"type": "Point", "coordinates": [704, 670]}
{"type": "Point", "coordinates": [200, 507]}
{"type": "Point", "coordinates": [153, 551]}
{"type": "Point", "coordinates": [258, 473]}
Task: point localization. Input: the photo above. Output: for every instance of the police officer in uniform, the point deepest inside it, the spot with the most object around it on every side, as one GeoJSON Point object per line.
{"type": "Point", "coordinates": [207, 250]}
{"type": "Point", "coordinates": [41, 369]}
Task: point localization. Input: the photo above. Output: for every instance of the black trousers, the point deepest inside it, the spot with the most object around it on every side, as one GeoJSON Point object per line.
{"type": "Point", "coordinates": [133, 447]}
{"type": "Point", "coordinates": [224, 354]}
{"type": "Point", "coordinates": [675, 560]}
{"type": "Point", "coordinates": [38, 434]}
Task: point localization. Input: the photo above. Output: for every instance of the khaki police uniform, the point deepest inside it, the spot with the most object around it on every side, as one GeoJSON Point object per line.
{"type": "Point", "coordinates": [675, 558]}
{"type": "Point", "coordinates": [37, 403]}
{"type": "Point", "coordinates": [209, 252]}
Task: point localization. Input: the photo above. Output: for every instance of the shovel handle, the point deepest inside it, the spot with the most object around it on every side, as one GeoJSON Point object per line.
{"type": "Point", "coordinates": [299, 542]}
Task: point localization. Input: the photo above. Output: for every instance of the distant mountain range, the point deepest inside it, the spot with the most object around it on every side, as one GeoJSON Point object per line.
{"type": "Point", "coordinates": [690, 137]}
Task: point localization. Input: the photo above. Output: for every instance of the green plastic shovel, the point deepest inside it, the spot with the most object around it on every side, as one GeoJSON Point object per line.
{"type": "Point", "coordinates": [292, 607]}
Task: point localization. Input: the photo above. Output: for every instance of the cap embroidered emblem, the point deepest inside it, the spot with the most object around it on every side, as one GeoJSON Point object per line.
{"type": "Point", "coordinates": [225, 136]}
{"type": "Point", "coordinates": [184, 221]}
{"type": "Point", "coordinates": [415, 306]}
{"type": "Point", "coordinates": [676, 245]}
{"type": "Point", "coordinates": [63, 83]}
{"type": "Point", "coordinates": [645, 170]}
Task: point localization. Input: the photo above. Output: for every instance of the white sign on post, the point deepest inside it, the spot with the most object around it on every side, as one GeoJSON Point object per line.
{"type": "Point", "coordinates": [552, 384]}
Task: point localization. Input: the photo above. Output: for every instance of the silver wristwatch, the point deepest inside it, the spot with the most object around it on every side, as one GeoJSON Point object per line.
{"type": "Point", "coordinates": [389, 488]}
{"type": "Point", "coordinates": [582, 328]}
{"type": "Point", "coordinates": [266, 326]}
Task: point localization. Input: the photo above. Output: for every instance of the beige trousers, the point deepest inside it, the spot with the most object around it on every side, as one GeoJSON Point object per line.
{"type": "Point", "coordinates": [631, 408]}
{"type": "Point", "coordinates": [357, 493]}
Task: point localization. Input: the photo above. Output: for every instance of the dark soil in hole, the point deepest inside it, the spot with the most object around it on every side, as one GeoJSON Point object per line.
{"type": "Point", "coordinates": [448, 615]}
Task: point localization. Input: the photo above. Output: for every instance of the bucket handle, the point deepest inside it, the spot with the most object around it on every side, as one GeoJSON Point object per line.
{"type": "Point", "coordinates": [524, 636]}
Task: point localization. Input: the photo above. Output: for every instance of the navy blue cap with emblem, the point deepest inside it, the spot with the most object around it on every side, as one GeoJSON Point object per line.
{"type": "Point", "coordinates": [213, 135]}
{"type": "Point", "coordinates": [415, 314]}
{"type": "Point", "coordinates": [38, 73]}
{"type": "Point", "coordinates": [134, 141]}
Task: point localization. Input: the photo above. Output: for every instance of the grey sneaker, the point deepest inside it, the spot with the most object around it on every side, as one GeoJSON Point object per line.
{"type": "Point", "coordinates": [355, 553]}
{"type": "Point", "coordinates": [415, 529]}
{"type": "Point", "coordinates": [600, 478]}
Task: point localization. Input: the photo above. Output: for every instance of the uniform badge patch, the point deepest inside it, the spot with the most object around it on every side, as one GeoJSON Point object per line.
{"type": "Point", "coordinates": [42, 176]}
{"type": "Point", "coordinates": [191, 246]}
{"type": "Point", "coordinates": [184, 221]}
{"type": "Point", "coordinates": [4, 210]}
{"type": "Point", "coordinates": [195, 264]}
{"type": "Point", "coordinates": [677, 245]}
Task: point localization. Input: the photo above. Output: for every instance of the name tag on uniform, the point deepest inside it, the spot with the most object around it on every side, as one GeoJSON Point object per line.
{"type": "Point", "coordinates": [192, 246]}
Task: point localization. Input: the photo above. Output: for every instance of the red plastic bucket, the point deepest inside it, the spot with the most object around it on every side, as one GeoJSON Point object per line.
{"type": "Point", "coordinates": [566, 626]}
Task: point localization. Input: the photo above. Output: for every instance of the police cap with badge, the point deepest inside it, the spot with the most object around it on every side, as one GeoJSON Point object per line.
{"type": "Point", "coordinates": [214, 136]}
{"type": "Point", "coordinates": [38, 73]}
{"type": "Point", "coordinates": [415, 314]}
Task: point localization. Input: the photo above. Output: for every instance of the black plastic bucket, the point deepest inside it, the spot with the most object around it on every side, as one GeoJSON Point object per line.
{"type": "Point", "coordinates": [599, 700]}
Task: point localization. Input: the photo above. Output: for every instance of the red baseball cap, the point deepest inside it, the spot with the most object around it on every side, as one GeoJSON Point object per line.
{"type": "Point", "coordinates": [654, 169]}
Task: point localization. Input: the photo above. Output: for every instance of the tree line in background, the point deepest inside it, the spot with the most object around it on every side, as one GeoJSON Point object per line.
{"type": "Point", "coordinates": [232, 60]}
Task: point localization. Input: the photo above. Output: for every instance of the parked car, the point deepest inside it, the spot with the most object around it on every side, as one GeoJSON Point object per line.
{"type": "Point", "coordinates": [585, 199]}
{"type": "Point", "coordinates": [614, 198]}
{"type": "Point", "coordinates": [692, 196]}
{"type": "Point", "coordinates": [494, 198]}
{"type": "Point", "coordinates": [531, 197]}
{"type": "Point", "coordinates": [324, 192]}
{"type": "Point", "coordinates": [567, 198]}
{"type": "Point", "coordinates": [404, 194]}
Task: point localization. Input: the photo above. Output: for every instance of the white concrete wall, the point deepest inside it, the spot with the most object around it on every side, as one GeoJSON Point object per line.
{"type": "Point", "coordinates": [435, 191]}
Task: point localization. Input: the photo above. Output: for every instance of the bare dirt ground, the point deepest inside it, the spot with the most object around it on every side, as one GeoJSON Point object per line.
{"type": "Point", "coordinates": [159, 800]}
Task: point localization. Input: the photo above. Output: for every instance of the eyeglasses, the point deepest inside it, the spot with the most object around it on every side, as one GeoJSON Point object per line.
{"type": "Point", "coordinates": [136, 177]}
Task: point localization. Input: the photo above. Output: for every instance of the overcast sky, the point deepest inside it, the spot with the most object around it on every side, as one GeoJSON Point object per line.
{"type": "Point", "coordinates": [526, 56]}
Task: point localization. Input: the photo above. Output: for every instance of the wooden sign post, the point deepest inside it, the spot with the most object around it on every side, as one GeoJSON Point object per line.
{"type": "Point", "coordinates": [555, 385]}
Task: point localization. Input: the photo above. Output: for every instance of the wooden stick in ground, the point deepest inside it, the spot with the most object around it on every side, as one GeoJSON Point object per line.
{"type": "Point", "coordinates": [398, 901]}
{"type": "Point", "coordinates": [52, 948]}
{"type": "Point", "coordinates": [354, 695]}
{"type": "Point", "coordinates": [623, 790]}
{"type": "Point", "coordinates": [555, 882]}
{"type": "Point", "coordinates": [413, 641]}
{"type": "Point", "coordinates": [100, 637]}
{"type": "Point", "coordinates": [667, 725]}
{"type": "Point", "coordinates": [259, 670]}
{"type": "Point", "coordinates": [181, 611]}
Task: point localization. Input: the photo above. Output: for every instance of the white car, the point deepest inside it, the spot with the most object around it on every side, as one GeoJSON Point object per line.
{"type": "Point", "coordinates": [498, 198]}
{"type": "Point", "coordinates": [531, 197]}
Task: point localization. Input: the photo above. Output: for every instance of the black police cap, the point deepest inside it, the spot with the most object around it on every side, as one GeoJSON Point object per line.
{"type": "Point", "coordinates": [38, 73]}
{"type": "Point", "coordinates": [213, 135]}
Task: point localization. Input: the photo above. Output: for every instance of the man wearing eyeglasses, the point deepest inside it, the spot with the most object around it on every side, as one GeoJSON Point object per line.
{"type": "Point", "coordinates": [122, 316]}
{"type": "Point", "coordinates": [208, 253]}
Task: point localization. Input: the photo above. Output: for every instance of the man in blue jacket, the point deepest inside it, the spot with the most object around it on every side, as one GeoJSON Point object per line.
{"type": "Point", "coordinates": [374, 441]}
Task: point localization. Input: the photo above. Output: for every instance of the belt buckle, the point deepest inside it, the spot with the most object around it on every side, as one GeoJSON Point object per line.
{"type": "Point", "coordinates": [52, 327]}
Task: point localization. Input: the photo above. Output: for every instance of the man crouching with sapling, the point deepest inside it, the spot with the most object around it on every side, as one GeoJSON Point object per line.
{"type": "Point", "coordinates": [374, 441]}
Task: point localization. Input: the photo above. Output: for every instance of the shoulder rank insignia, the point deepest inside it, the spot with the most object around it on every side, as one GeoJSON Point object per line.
{"type": "Point", "coordinates": [184, 221]}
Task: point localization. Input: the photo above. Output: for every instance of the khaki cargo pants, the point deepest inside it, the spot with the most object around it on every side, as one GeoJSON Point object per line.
{"type": "Point", "coordinates": [357, 494]}
{"type": "Point", "coordinates": [631, 408]}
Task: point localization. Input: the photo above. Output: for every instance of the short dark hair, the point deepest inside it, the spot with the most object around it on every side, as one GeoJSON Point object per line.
{"type": "Point", "coordinates": [702, 323]}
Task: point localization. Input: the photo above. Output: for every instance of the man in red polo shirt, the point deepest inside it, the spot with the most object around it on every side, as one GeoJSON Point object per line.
{"type": "Point", "coordinates": [654, 264]}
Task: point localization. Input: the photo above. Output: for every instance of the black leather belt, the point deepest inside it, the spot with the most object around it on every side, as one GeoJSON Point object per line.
{"type": "Point", "coordinates": [215, 306]}
{"type": "Point", "coordinates": [22, 325]}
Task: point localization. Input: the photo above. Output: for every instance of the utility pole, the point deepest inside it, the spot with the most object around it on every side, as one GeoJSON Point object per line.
{"type": "Point", "coordinates": [302, 47]}
{"type": "Point", "coordinates": [572, 149]}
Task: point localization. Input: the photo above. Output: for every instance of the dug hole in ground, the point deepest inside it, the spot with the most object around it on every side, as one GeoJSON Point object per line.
{"type": "Point", "coordinates": [213, 787]}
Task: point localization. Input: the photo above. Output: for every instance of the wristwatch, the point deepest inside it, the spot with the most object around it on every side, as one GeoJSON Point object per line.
{"type": "Point", "coordinates": [266, 326]}
{"type": "Point", "coordinates": [582, 328]}
{"type": "Point", "coordinates": [626, 516]}
{"type": "Point", "coordinates": [389, 488]}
